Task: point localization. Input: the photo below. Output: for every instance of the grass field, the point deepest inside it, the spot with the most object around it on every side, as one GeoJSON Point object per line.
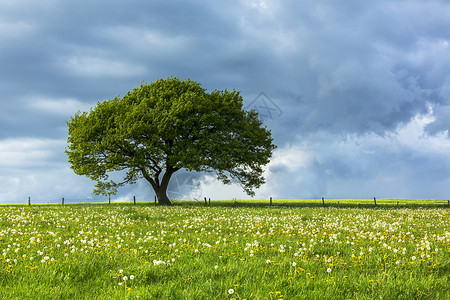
{"type": "Point", "coordinates": [232, 249]}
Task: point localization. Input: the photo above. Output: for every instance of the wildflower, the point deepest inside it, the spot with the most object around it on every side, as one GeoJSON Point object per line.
{"type": "Point", "coordinates": [120, 271]}
{"type": "Point", "coordinates": [125, 278]}
{"type": "Point", "coordinates": [294, 264]}
{"type": "Point", "coordinates": [131, 277]}
{"type": "Point", "coordinates": [230, 291]}
{"type": "Point", "coordinates": [329, 270]}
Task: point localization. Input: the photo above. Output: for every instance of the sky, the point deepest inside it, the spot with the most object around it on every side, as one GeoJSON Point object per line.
{"type": "Point", "coordinates": [356, 93]}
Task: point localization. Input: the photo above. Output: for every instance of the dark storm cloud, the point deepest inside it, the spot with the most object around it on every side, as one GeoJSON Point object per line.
{"type": "Point", "coordinates": [334, 70]}
{"type": "Point", "coordinates": [362, 76]}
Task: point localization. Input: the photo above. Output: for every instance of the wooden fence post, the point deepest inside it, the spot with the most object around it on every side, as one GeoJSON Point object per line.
{"type": "Point", "coordinates": [134, 200]}
{"type": "Point", "coordinates": [29, 201]}
{"type": "Point", "coordinates": [448, 202]}
{"type": "Point", "coordinates": [270, 201]}
{"type": "Point", "coordinates": [323, 202]}
{"type": "Point", "coordinates": [209, 201]}
{"type": "Point", "coordinates": [206, 204]}
{"type": "Point", "coordinates": [375, 201]}
{"type": "Point", "coordinates": [62, 201]}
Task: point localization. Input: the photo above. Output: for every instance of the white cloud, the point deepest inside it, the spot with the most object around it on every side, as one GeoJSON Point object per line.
{"type": "Point", "coordinates": [403, 163]}
{"type": "Point", "coordinates": [146, 41]}
{"type": "Point", "coordinates": [37, 168]}
{"type": "Point", "coordinates": [29, 153]}
{"type": "Point", "coordinates": [216, 190]}
{"type": "Point", "coordinates": [15, 30]}
{"type": "Point", "coordinates": [63, 107]}
{"type": "Point", "coordinates": [100, 65]}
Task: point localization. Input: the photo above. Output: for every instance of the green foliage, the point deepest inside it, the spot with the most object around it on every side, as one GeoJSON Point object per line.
{"type": "Point", "coordinates": [161, 127]}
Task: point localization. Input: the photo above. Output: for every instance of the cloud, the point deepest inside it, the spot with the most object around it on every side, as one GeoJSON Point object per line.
{"type": "Point", "coordinates": [404, 163]}
{"type": "Point", "coordinates": [99, 66]}
{"type": "Point", "coordinates": [63, 107]}
{"type": "Point", "coordinates": [37, 168]}
{"type": "Point", "coordinates": [363, 87]}
{"type": "Point", "coordinates": [27, 153]}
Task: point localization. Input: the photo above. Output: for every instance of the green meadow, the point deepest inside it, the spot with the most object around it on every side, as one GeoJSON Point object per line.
{"type": "Point", "coordinates": [349, 249]}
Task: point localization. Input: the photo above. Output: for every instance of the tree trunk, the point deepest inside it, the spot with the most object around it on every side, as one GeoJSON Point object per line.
{"type": "Point", "coordinates": [163, 199]}
{"type": "Point", "coordinates": [160, 188]}
{"type": "Point", "coordinates": [161, 192]}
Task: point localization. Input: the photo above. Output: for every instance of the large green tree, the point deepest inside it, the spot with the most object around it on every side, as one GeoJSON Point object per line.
{"type": "Point", "coordinates": [162, 127]}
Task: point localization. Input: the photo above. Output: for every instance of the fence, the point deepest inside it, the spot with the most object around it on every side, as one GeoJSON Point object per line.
{"type": "Point", "coordinates": [271, 201]}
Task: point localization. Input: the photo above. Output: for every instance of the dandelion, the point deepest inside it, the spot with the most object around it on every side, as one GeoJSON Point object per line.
{"type": "Point", "coordinates": [216, 267]}
{"type": "Point", "coordinates": [413, 258]}
{"type": "Point", "coordinates": [125, 278]}
{"type": "Point", "coordinates": [268, 261]}
{"type": "Point", "coordinates": [329, 270]}
{"type": "Point", "coordinates": [294, 264]}
{"type": "Point", "coordinates": [230, 291]}
{"type": "Point", "coordinates": [131, 277]}
{"type": "Point", "coordinates": [120, 271]}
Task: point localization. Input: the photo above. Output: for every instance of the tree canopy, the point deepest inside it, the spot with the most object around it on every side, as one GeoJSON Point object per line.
{"type": "Point", "coordinates": [162, 127]}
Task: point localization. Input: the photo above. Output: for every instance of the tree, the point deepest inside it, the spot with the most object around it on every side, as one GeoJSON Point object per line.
{"type": "Point", "coordinates": [162, 127]}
